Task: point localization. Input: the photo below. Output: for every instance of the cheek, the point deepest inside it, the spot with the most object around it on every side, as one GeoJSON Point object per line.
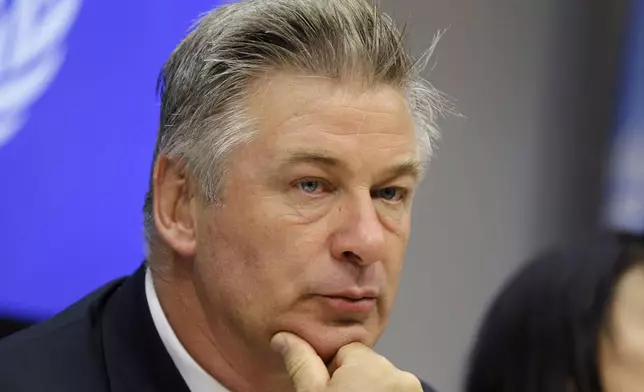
{"type": "Point", "coordinates": [280, 255]}
{"type": "Point", "coordinates": [298, 210]}
{"type": "Point", "coordinates": [392, 267]}
{"type": "Point", "coordinates": [631, 348]}
{"type": "Point", "coordinates": [397, 247]}
{"type": "Point", "coordinates": [622, 358]}
{"type": "Point", "coordinates": [396, 219]}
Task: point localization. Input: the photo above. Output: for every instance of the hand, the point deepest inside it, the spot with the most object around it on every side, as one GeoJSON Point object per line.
{"type": "Point", "coordinates": [355, 368]}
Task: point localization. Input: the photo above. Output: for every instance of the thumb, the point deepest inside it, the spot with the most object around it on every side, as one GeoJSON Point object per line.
{"type": "Point", "coordinates": [305, 368]}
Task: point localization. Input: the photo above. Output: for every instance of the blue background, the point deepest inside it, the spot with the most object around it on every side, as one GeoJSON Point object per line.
{"type": "Point", "coordinates": [74, 177]}
{"type": "Point", "coordinates": [625, 205]}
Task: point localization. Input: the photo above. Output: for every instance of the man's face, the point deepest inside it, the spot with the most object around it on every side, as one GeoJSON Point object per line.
{"type": "Point", "coordinates": [315, 217]}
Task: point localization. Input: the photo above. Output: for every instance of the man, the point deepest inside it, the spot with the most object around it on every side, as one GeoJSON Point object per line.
{"type": "Point", "coordinates": [292, 136]}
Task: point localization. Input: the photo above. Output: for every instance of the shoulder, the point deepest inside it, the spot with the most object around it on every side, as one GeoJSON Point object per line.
{"type": "Point", "coordinates": [63, 353]}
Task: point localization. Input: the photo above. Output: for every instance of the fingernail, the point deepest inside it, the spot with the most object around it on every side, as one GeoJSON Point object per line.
{"type": "Point", "coordinates": [279, 344]}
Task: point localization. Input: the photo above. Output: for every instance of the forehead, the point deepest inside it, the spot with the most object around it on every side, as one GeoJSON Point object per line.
{"type": "Point", "coordinates": [295, 112]}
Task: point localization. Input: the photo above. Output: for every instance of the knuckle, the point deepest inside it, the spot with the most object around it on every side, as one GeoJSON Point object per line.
{"type": "Point", "coordinates": [352, 352]}
{"type": "Point", "coordinates": [381, 362]}
{"type": "Point", "coordinates": [349, 349]}
{"type": "Point", "coordinates": [296, 367]}
{"type": "Point", "coordinates": [407, 382]}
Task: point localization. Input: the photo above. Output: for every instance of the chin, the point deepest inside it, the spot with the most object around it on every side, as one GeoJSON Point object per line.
{"type": "Point", "coordinates": [328, 339]}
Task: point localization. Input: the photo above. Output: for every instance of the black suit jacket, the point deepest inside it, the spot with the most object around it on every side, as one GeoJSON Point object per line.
{"type": "Point", "coordinates": [9, 326]}
{"type": "Point", "coordinates": [105, 342]}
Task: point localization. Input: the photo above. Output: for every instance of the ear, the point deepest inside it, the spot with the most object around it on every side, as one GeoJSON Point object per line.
{"type": "Point", "coordinates": [172, 207]}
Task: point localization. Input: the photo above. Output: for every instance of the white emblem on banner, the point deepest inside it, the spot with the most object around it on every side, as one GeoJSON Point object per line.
{"type": "Point", "coordinates": [31, 54]}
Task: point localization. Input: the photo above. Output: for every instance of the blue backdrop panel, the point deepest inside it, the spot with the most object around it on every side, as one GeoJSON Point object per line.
{"type": "Point", "coordinates": [625, 207]}
{"type": "Point", "coordinates": [78, 120]}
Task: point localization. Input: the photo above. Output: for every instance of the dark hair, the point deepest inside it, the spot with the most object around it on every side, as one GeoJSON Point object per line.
{"type": "Point", "coordinates": [541, 332]}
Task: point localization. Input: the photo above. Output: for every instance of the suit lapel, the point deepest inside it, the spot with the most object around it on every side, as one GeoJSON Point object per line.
{"type": "Point", "coordinates": [135, 358]}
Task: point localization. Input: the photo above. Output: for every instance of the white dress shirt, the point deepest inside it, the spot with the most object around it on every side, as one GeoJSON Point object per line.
{"type": "Point", "coordinates": [197, 379]}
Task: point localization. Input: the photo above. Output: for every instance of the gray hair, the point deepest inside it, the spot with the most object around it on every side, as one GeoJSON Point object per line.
{"type": "Point", "coordinates": [204, 82]}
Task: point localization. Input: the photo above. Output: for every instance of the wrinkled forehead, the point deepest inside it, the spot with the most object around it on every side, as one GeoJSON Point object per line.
{"type": "Point", "coordinates": [280, 96]}
{"type": "Point", "coordinates": [297, 114]}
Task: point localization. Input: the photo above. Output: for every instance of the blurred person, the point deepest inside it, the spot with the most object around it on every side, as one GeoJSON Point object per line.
{"type": "Point", "coordinates": [292, 136]}
{"type": "Point", "coordinates": [568, 321]}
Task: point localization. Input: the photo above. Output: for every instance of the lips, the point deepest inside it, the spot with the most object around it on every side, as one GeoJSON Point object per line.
{"type": "Point", "coordinates": [354, 294]}
{"type": "Point", "coordinates": [350, 303]}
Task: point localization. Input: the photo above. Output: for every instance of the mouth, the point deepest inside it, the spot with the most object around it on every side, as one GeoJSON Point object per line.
{"type": "Point", "coordinates": [344, 305]}
{"type": "Point", "coordinates": [357, 294]}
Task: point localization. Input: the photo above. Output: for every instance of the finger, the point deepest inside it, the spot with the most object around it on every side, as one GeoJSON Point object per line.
{"type": "Point", "coordinates": [356, 353]}
{"type": "Point", "coordinates": [305, 368]}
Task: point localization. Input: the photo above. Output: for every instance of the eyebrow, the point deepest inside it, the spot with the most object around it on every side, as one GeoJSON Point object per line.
{"type": "Point", "coordinates": [411, 167]}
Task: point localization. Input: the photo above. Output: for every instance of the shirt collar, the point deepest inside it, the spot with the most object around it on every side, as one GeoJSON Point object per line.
{"type": "Point", "coordinates": [197, 379]}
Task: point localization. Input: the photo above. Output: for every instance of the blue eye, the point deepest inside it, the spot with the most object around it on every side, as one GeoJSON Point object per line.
{"type": "Point", "coordinates": [309, 186]}
{"type": "Point", "coordinates": [392, 193]}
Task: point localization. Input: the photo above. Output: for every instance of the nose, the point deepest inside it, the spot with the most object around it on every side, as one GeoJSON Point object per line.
{"type": "Point", "coordinates": [359, 236]}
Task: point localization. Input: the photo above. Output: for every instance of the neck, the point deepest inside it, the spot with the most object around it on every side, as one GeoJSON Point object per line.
{"type": "Point", "coordinates": [222, 353]}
